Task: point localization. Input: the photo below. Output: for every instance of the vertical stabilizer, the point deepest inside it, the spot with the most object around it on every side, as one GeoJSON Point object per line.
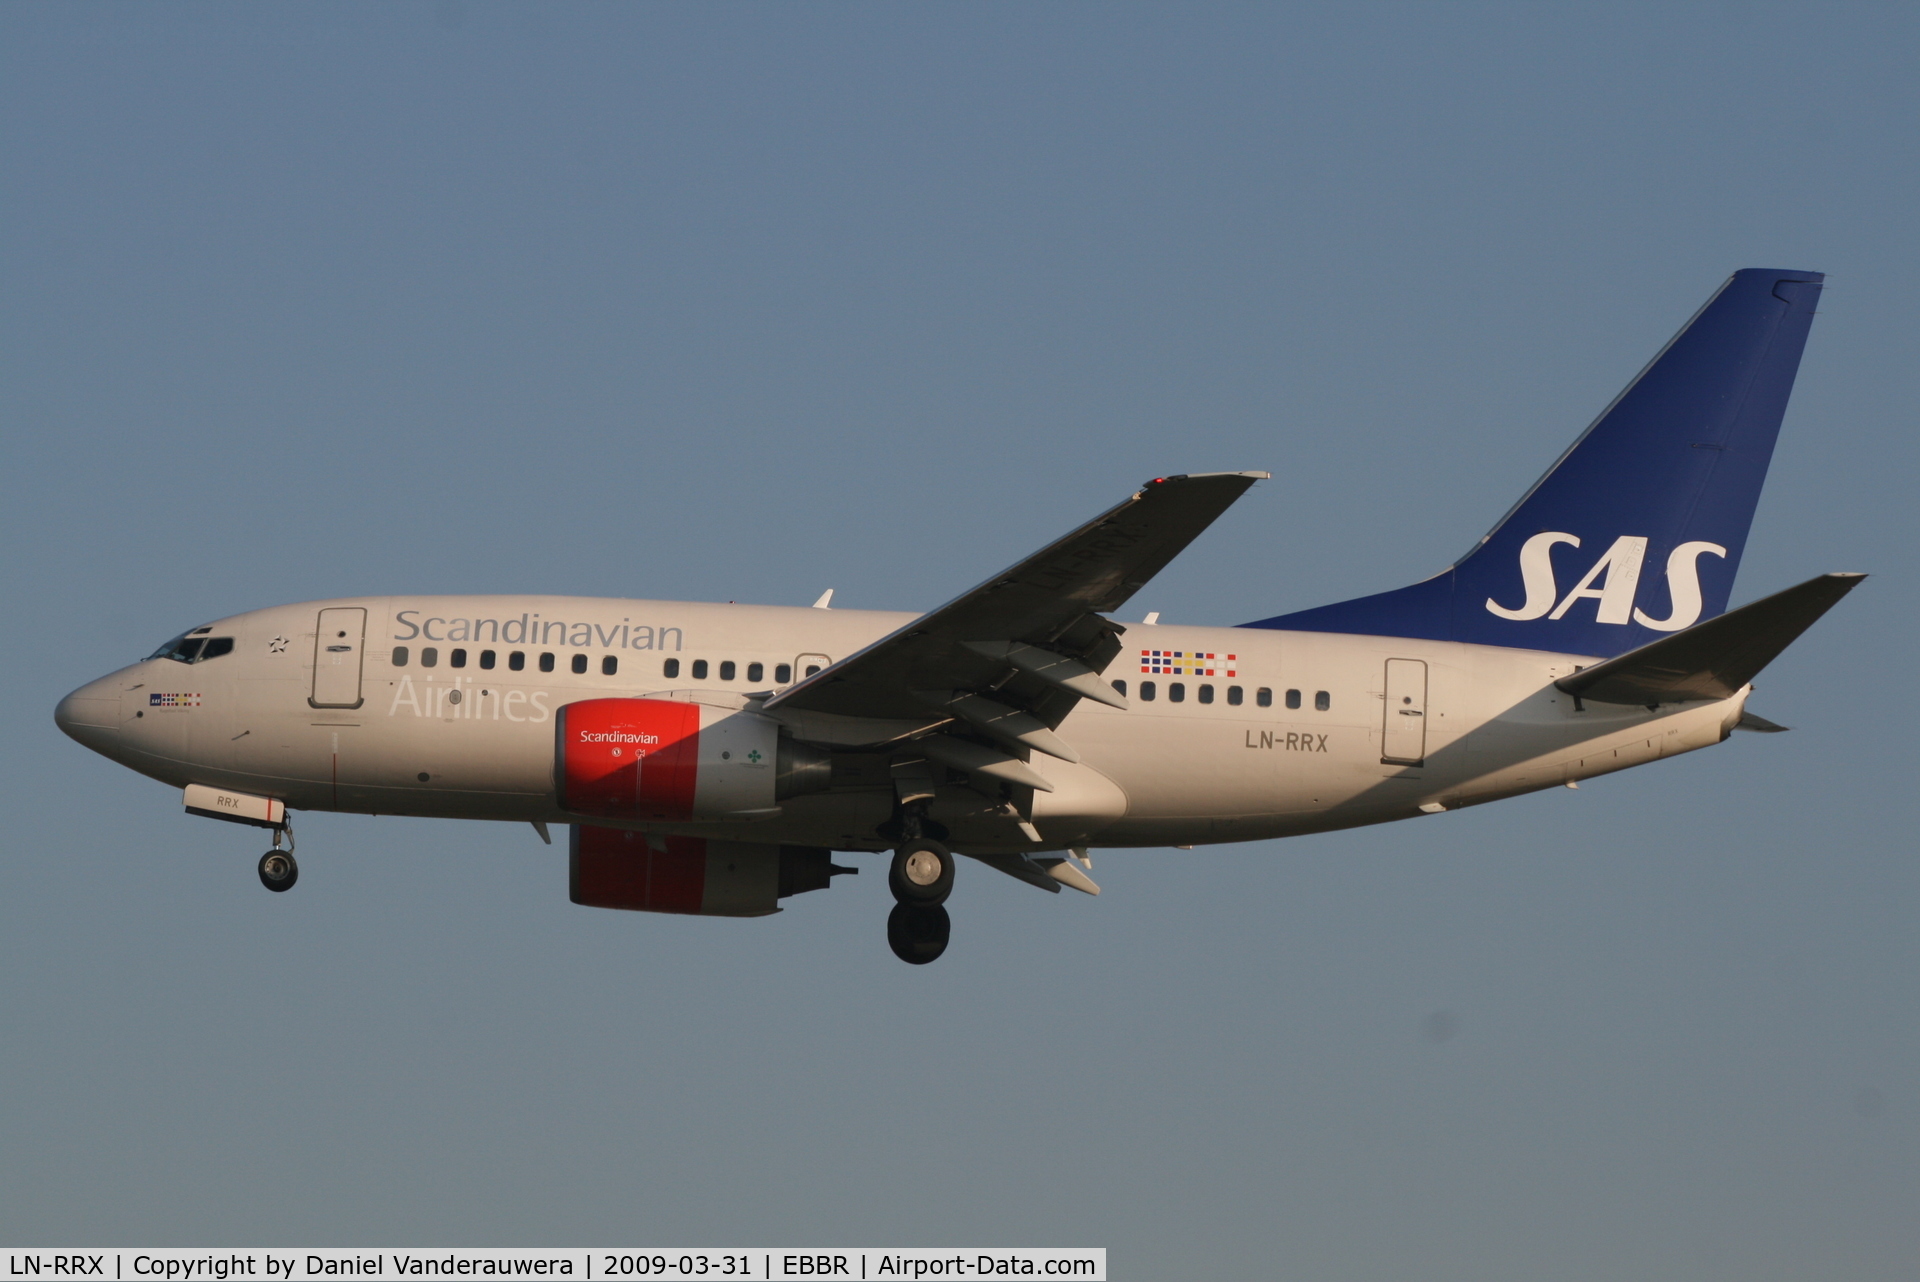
{"type": "Point", "coordinates": [1637, 530]}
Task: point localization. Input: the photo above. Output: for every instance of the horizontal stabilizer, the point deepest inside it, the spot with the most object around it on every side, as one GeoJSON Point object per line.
{"type": "Point", "coordinates": [1712, 660]}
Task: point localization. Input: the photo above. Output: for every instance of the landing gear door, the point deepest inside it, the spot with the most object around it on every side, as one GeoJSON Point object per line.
{"type": "Point", "coordinates": [1403, 740]}
{"type": "Point", "coordinates": [338, 645]}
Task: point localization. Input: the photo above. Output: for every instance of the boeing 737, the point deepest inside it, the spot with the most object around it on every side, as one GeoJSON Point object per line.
{"type": "Point", "coordinates": [711, 759]}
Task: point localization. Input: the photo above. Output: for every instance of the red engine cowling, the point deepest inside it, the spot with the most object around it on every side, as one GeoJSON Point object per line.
{"type": "Point", "coordinates": [672, 761]}
{"type": "Point", "coordinates": [628, 758]}
{"type": "Point", "coordinates": [618, 868]}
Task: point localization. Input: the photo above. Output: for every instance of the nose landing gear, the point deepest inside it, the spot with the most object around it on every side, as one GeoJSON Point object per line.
{"type": "Point", "coordinates": [921, 879]}
{"type": "Point", "coordinates": [278, 871]}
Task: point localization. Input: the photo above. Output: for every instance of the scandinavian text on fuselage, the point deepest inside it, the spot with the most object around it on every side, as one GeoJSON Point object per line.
{"type": "Point", "coordinates": [530, 629]}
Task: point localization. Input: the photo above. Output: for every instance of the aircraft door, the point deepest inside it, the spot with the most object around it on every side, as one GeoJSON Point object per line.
{"type": "Point", "coordinates": [1403, 739]}
{"type": "Point", "coordinates": [806, 665]}
{"type": "Point", "coordinates": [338, 643]}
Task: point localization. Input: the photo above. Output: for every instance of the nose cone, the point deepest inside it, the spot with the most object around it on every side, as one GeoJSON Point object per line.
{"type": "Point", "coordinates": [91, 714]}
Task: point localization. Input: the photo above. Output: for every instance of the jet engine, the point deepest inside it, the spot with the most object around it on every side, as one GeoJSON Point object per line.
{"type": "Point", "coordinates": [620, 868]}
{"type": "Point", "coordinates": [673, 761]}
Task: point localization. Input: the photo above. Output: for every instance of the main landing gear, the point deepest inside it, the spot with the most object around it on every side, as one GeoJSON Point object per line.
{"type": "Point", "coordinates": [921, 879]}
{"type": "Point", "coordinates": [278, 871]}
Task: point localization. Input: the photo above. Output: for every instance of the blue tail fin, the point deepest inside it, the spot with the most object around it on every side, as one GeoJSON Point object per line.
{"type": "Point", "coordinates": [1637, 530]}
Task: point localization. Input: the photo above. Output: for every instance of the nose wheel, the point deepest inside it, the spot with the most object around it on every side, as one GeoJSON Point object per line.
{"type": "Point", "coordinates": [278, 871]}
{"type": "Point", "coordinates": [921, 879]}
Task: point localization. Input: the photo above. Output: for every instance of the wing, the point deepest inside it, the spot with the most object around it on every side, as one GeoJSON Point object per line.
{"type": "Point", "coordinates": [1009, 659]}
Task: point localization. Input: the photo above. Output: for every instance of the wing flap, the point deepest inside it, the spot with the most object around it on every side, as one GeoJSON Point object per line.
{"type": "Point", "coordinates": [1054, 669]}
{"type": "Point", "coordinates": [1042, 872]}
{"type": "Point", "coordinates": [998, 721]}
{"type": "Point", "coordinates": [979, 759]}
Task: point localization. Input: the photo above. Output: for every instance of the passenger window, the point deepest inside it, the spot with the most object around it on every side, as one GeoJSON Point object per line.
{"type": "Point", "coordinates": [726, 669]}
{"type": "Point", "coordinates": [1146, 692]}
{"type": "Point", "coordinates": [812, 668]}
{"type": "Point", "coordinates": [782, 673]}
{"type": "Point", "coordinates": [579, 663]}
{"type": "Point", "coordinates": [1121, 687]}
{"type": "Point", "coordinates": [1322, 701]}
{"type": "Point", "coordinates": [671, 668]}
{"type": "Point", "coordinates": [399, 656]}
{"type": "Point", "coordinates": [699, 669]}
{"type": "Point", "coordinates": [457, 659]}
{"type": "Point", "coordinates": [1235, 694]}
{"type": "Point", "coordinates": [546, 661]}
{"type": "Point", "coordinates": [1176, 692]}
{"type": "Point", "coordinates": [517, 660]}
{"type": "Point", "coordinates": [429, 657]}
{"type": "Point", "coordinates": [1293, 698]}
{"type": "Point", "coordinates": [1263, 697]}
{"type": "Point", "coordinates": [1206, 694]}
{"type": "Point", "coordinates": [486, 658]}
{"type": "Point", "coordinates": [755, 671]}
{"type": "Point", "coordinates": [609, 665]}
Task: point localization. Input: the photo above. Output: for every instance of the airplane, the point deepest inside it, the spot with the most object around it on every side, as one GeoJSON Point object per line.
{"type": "Point", "coordinates": [711, 759]}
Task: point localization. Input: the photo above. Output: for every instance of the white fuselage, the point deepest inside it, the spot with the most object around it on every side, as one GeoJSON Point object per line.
{"type": "Point", "coordinates": [1206, 758]}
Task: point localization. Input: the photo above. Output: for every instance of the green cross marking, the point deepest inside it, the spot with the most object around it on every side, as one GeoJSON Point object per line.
{"type": "Point", "coordinates": [754, 756]}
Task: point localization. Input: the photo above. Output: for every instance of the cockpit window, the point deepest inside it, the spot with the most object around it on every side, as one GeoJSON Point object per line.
{"type": "Point", "coordinates": [192, 648]}
{"type": "Point", "coordinates": [180, 648]}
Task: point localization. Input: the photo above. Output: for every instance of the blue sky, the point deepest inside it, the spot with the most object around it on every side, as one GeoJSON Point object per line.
{"type": "Point", "coordinates": [749, 301]}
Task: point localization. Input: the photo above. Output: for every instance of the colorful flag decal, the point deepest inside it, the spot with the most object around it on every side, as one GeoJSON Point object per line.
{"type": "Point", "coordinates": [173, 700]}
{"type": "Point", "coordinates": [1182, 663]}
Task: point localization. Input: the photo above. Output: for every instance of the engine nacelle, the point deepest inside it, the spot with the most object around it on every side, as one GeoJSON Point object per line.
{"type": "Point", "coordinates": [619, 868]}
{"type": "Point", "coordinates": [674, 761]}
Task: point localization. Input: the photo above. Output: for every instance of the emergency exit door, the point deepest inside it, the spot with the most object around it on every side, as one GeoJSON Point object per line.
{"type": "Point", "coordinates": [1403, 741]}
{"type": "Point", "coordinates": [337, 645]}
